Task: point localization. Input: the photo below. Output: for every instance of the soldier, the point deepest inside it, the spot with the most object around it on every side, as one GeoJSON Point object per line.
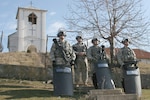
{"type": "Point", "coordinates": [61, 51]}
{"type": "Point", "coordinates": [62, 57]}
{"type": "Point", "coordinates": [125, 54]}
{"type": "Point", "coordinates": [94, 53]}
{"type": "Point", "coordinates": [81, 64]}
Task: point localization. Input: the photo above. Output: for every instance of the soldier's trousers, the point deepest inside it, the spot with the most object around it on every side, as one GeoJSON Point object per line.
{"type": "Point", "coordinates": [94, 80]}
{"type": "Point", "coordinates": [81, 68]}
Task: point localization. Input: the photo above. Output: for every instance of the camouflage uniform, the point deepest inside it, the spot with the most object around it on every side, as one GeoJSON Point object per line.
{"type": "Point", "coordinates": [94, 54]}
{"type": "Point", "coordinates": [58, 57]}
{"type": "Point", "coordinates": [125, 54]}
{"type": "Point", "coordinates": [81, 63]}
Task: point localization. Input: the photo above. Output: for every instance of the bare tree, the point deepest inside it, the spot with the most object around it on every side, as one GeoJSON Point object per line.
{"type": "Point", "coordinates": [111, 20]}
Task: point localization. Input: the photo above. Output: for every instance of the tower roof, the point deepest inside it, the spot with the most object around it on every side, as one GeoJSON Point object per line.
{"type": "Point", "coordinates": [29, 8]}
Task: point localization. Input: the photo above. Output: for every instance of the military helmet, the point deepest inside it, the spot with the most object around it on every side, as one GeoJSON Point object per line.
{"type": "Point", "coordinates": [125, 40]}
{"type": "Point", "coordinates": [61, 33]}
{"type": "Point", "coordinates": [78, 37]}
{"type": "Point", "coordinates": [94, 39]}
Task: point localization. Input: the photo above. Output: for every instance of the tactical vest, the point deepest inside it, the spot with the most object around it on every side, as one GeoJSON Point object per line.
{"type": "Point", "coordinates": [96, 52]}
{"type": "Point", "coordinates": [66, 49]}
{"type": "Point", "coordinates": [127, 54]}
{"type": "Point", "coordinates": [80, 48]}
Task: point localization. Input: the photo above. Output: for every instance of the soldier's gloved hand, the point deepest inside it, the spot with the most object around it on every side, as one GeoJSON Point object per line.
{"type": "Point", "coordinates": [93, 60]}
{"type": "Point", "coordinates": [72, 62]}
{"type": "Point", "coordinates": [54, 63]}
{"type": "Point", "coordinates": [122, 65]}
{"type": "Point", "coordinates": [136, 67]}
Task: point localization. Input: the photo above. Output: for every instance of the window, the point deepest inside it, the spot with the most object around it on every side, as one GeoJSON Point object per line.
{"type": "Point", "coordinates": [32, 18]}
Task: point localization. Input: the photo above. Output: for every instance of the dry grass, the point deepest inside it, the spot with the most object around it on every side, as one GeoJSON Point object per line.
{"type": "Point", "coordinates": [145, 94]}
{"type": "Point", "coordinates": [30, 90]}
{"type": "Point", "coordinates": [35, 90]}
{"type": "Point", "coordinates": [144, 68]}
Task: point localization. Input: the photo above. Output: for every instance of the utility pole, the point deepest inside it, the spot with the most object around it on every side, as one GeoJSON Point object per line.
{"type": "Point", "coordinates": [46, 67]}
{"type": "Point", "coordinates": [31, 3]}
{"type": "Point", "coordinates": [1, 46]}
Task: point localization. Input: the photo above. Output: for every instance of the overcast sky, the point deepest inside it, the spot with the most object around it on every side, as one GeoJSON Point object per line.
{"type": "Point", "coordinates": [57, 9]}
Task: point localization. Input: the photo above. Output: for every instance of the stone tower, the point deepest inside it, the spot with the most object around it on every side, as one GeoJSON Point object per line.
{"type": "Point", "coordinates": [31, 30]}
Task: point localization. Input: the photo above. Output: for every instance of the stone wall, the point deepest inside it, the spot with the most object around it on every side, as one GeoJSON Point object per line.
{"type": "Point", "coordinates": [22, 72]}
{"type": "Point", "coordinates": [22, 65]}
{"type": "Point", "coordinates": [145, 79]}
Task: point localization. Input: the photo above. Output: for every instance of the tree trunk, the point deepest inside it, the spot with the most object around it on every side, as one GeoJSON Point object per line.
{"type": "Point", "coordinates": [111, 51]}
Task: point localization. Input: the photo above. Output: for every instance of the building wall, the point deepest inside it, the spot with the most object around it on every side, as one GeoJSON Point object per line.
{"type": "Point", "coordinates": [28, 33]}
{"type": "Point", "coordinates": [13, 42]}
{"type": "Point", "coordinates": [146, 61]}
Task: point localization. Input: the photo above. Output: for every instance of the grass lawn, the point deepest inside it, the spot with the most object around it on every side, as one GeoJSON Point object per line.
{"type": "Point", "coordinates": [145, 94]}
{"type": "Point", "coordinates": [36, 90]}
{"type": "Point", "coordinates": [30, 90]}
